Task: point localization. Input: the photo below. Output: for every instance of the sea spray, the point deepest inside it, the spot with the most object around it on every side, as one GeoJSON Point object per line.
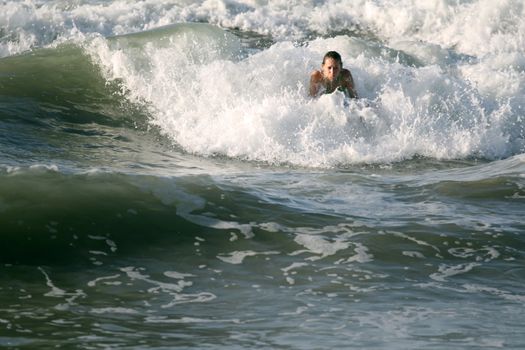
{"type": "Point", "coordinates": [426, 89]}
{"type": "Point", "coordinates": [212, 99]}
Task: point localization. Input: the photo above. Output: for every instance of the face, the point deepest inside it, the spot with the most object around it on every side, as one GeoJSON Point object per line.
{"type": "Point", "coordinates": [331, 69]}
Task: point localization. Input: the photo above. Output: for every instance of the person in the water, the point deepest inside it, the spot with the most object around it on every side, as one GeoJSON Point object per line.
{"type": "Point", "coordinates": [331, 77]}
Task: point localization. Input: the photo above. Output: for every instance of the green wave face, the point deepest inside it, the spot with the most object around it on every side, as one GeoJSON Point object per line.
{"type": "Point", "coordinates": [195, 36]}
{"type": "Point", "coordinates": [61, 105]}
{"type": "Point", "coordinates": [54, 218]}
{"type": "Point", "coordinates": [48, 74]}
{"type": "Point", "coordinates": [58, 83]}
{"type": "Point", "coordinates": [67, 80]}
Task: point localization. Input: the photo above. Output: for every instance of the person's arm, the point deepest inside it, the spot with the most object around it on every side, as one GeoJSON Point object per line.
{"type": "Point", "coordinates": [315, 83]}
{"type": "Point", "coordinates": [349, 84]}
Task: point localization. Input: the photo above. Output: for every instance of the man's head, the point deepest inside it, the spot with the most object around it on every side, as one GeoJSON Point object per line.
{"type": "Point", "coordinates": [332, 65]}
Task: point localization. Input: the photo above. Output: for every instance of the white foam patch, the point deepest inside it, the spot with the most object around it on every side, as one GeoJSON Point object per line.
{"type": "Point", "coordinates": [415, 240]}
{"type": "Point", "coordinates": [237, 257]}
{"type": "Point", "coordinates": [135, 274]}
{"type": "Point", "coordinates": [173, 290]}
{"type": "Point", "coordinates": [94, 282]}
{"type": "Point", "coordinates": [56, 292]}
{"type": "Point", "coordinates": [293, 266]}
{"type": "Point", "coordinates": [321, 246]}
{"type": "Point", "coordinates": [177, 275]}
{"type": "Point", "coordinates": [413, 254]}
{"type": "Point", "coordinates": [188, 320]}
{"type": "Point", "coordinates": [475, 288]}
{"type": "Point", "coordinates": [485, 254]}
{"type": "Point", "coordinates": [182, 298]}
{"type": "Point", "coordinates": [446, 271]}
{"type": "Point", "coordinates": [362, 255]}
{"type": "Point", "coordinates": [114, 310]}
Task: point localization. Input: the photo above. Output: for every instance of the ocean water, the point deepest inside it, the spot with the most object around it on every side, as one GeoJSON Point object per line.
{"type": "Point", "coordinates": [166, 182]}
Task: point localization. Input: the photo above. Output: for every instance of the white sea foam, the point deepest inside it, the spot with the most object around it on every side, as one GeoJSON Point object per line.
{"type": "Point", "coordinates": [257, 109]}
{"type": "Point", "coordinates": [173, 290]}
{"type": "Point", "coordinates": [440, 82]}
{"type": "Point", "coordinates": [237, 257]}
{"type": "Point", "coordinates": [114, 310]}
{"type": "Point", "coordinates": [446, 271]}
{"type": "Point", "coordinates": [185, 320]}
{"type": "Point", "coordinates": [481, 27]}
{"type": "Point", "coordinates": [56, 292]}
{"type": "Point", "coordinates": [94, 282]}
{"type": "Point", "coordinates": [177, 275]}
{"type": "Point", "coordinates": [321, 246]}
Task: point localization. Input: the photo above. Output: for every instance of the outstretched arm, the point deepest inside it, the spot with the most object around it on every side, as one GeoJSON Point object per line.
{"type": "Point", "coordinates": [349, 85]}
{"type": "Point", "coordinates": [315, 83]}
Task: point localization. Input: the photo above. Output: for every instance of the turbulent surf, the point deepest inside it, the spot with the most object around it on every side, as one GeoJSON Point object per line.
{"type": "Point", "coordinates": [166, 181]}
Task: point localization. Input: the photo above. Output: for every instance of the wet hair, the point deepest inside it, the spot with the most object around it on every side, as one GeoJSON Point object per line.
{"type": "Point", "coordinates": [334, 55]}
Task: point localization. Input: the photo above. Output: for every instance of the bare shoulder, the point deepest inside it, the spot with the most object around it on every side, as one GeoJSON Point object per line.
{"type": "Point", "coordinates": [346, 73]}
{"type": "Point", "coordinates": [316, 76]}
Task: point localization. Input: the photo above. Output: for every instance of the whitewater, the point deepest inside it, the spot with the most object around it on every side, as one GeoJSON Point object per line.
{"type": "Point", "coordinates": [167, 182]}
{"type": "Point", "coordinates": [434, 72]}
